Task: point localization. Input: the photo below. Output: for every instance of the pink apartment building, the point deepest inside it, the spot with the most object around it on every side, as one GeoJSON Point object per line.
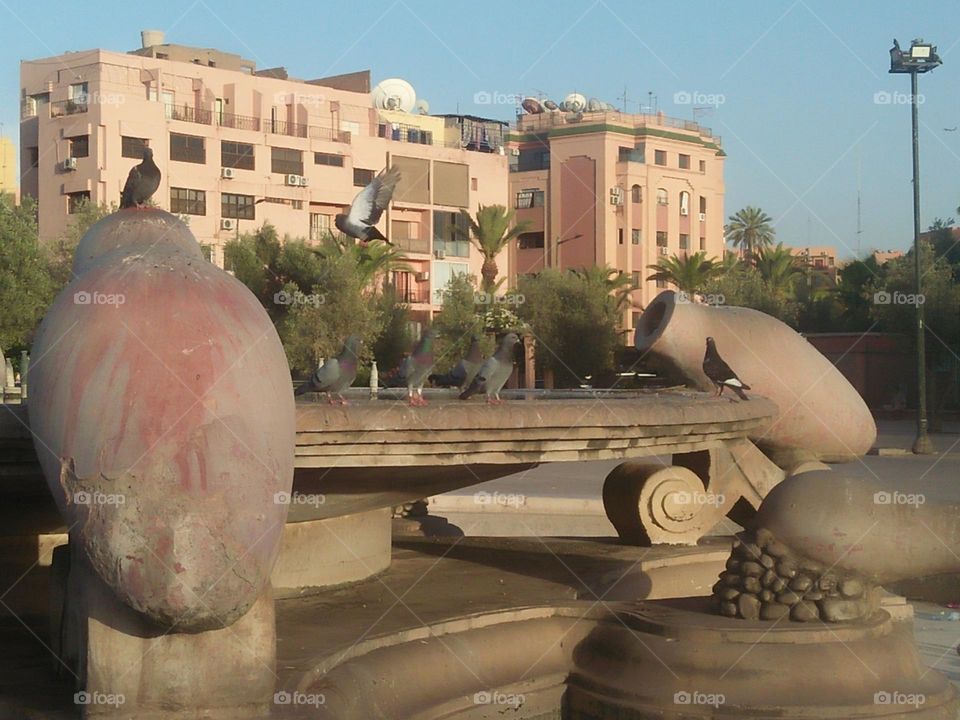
{"type": "Point", "coordinates": [616, 189]}
{"type": "Point", "coordinates": [239, 147]}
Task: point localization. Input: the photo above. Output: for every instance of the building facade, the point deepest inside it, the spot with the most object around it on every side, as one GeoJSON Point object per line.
{"type": "Point", "coordinates": [239, 147]}
{"type": "Point", "coordinates": [615, 189]}
{"type": "Point", "coordinates": [821, 259]}
{"type": "Point", "coordinates": [8, 167]}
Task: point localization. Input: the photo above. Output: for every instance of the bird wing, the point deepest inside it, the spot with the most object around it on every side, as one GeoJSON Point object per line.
{"type": "Point", "coordinates": [498, 378]}
{"type": "Point", "coordinates": [369, 204]}
{"type": "Point", "coordinates": [326, 375]}
{"type": "Point", "coordinates": [133, 178]}
{"type": "Point", "coordinates": [479, 381]}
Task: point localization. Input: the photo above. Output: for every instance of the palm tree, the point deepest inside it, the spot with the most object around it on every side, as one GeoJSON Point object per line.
{"type": "Point", "coordinates": [490, 232]}
{"type": "Point", "coordinates": [373, 261]}
{"type": "Point", "coordinates": [750, 229]}
{"type": "Point", "coordinates": [614, 283]}
{"type": "Point", "coordinates": [688, 274]}
{"type": "Point", "coordinates": [779, 269]}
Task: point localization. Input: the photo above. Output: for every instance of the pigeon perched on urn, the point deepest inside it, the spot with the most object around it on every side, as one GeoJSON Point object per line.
{"type": "Point", "coordinates": [142, 182]}
{"type": "Point", "coordinates": [336, 374]}
{"type": "Point", "coordinates": [464, 371]}
{"type": "Point", "coordinates": [360, 221]}
{"type": "Point", "coordinates": [720, 373]}
{"type": "Point", "coordinates": [495, 371]}
{"type": "Point", "coordinates": [417, 366]}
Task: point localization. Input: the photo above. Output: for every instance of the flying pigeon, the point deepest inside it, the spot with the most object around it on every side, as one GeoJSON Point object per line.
{"type": "Point", "coordinates": [720, 373]}
{"type": "Point", "coordinates": [495, 371]}
{"type": "Point", "coordinates": [361, 220]}
{"type": "Point", "coordinates": [463, 373]}
{"type": "Point", "coordinates": [336, 374]}
{"type": "Point", "coordinates": [142, 182]}
{"type": "Point", "coordinates": [417, 365]}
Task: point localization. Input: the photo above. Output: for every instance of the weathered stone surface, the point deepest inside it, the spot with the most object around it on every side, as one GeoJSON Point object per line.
{"type": "Point", "coordinates": [851, 588]}
{"type": "Point", "coordinates": [777, 584]}
{"type": "Point", "coordinates": [766, 596]}
{"type": "Point", "coordinates": [752, 584]}
{"type": "Point", "coordinates": [753, 569]}
{"type": "Point", "coordinates": [777, 549]}
{"type": "Point", "coordinates": [788, 597]}
{"type": "Point", "coordinates": [748, 607]}
{"type": "Point", "coordinates": [732, 579]}
{"type": "Point", "coordinates": [787, 568]}
{"type": "Point", "coordinates": [837, 610]}
{"type": "Point", "coordinates": [733, 565]}
{"type": "Point", "coordinates": [801, 583]}
{"type": "Point", "coordinates": [728, 609]}
{"type": "Point", "coordinates": [804, 611]}
{"type": "Point", "coordinates": [773, 611]}
{"type": "Point", "coordinates": [768, 577]}
{"type": "Point", "coordinates": [767, 561]}
{"type": "Point", "coordinates": [728, 594]}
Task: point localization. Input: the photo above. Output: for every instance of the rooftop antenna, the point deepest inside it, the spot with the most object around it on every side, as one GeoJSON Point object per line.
{"type": "Point", "coordinates": [859, 215]}
{"type": "Point", "coordinates": [652, 101]}
{"type": "Point", "coordinates": [623, 99]}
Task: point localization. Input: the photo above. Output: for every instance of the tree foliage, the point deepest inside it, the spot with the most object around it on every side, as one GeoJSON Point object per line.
{"type": "Point", "coordinates": [26, 287]}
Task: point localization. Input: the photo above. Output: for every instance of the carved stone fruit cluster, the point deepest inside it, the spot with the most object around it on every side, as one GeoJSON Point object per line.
{"type": "Point", "coordinates": [765, 580]}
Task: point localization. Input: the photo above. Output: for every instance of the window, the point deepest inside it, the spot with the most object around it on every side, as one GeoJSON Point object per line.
{"type": "Point", "coordinates": [450, 232]}
{"type": "Point", "coordinates": [76, 199]}
{"type": "Point", "coordinates": [703, 204]}
{"type": "Point", "coordinates": [330, 159]}
{"type": "Point", "coordinates": [661, 238]}
{"type": "Point", "coordinates": [79, 146]}
{"type": "Point", "coordinates": [530, 240]}
{"type": "Point", "coordinates": [286, 161]}
{"type": "Point", "coordinates": [33, 155]}
{"type": "Point", "coordinates": [530, 198]}
{"type": "Point", "coordinates": [188, 202]}
{"type": "Point", "coordinates": [684, 241]}
{"type": "Point", "coordinates": [239, 207]}
{"type": "Point", "coordinates": [636, 194]}
{"type": "Point", "coordinates": [534, 159]}
{"type": "Point", "coordinates": [361, 177]}
{"type": "Point", "coordinates": [236, 155]}
{"type": "Point", "coordinates": [635, 277]}
{"type": "Point", "coordinates": [78, 93]}
{"type": "Point", "coordinates": [661, 283]}
{"type": "Point", "coordinates": [703, 166]}
{"type": "Point", "coordinates": [662, 197]}
{"type": "Point", "coordinates": [684, 202]}
{"type": "Point", "coordinates": [629, 154]}
{"type": "Point", "coordinates": [660, 157]}
{"type": "Point", "coordinates": [684, 162]}
{"type": "Point", "coordinates": [319, 225]}
{"type": "Point", "coordinates": [620, 236]}
{"type": "Point", "coordinates": [187, 148]}
{"type": "Point", "coordinates": [703, 243]}
{"type": "Point", "coordinates": [349, 126]}
{"type": "Point", "coordinates": [132, 147]}
{"type": "Point", "coordinates": [635, 236]}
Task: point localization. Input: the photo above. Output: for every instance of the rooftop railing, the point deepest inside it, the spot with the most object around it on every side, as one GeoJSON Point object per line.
{"type": "Point", "coordinates": [186, 113]}
{"type": "Point", "coordinates": [68, 107]}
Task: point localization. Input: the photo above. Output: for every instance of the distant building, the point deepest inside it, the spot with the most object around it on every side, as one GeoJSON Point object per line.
{"type": "Point", "coordinates": [821, 258]}
{"type": "Point", "coordinates": [239, 147]}
{"type": "Point", "coordinates": [882, 257]}
{"type": "Point", "coordinates": [603, 187]}
{"type": "Point", "coordinates": [8, 167]}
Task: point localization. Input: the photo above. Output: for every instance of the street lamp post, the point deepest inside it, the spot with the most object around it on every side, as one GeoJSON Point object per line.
{"type": "Point", "coordinates": [920, 58]}
{"type": "Point", "coordinates": [561, 242]}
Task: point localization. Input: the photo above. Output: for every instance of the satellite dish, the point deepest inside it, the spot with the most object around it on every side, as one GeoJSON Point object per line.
{"type": "Point", "coordinates": [594, 105]}
{"type": "Point", "coordinates": [574, 102]}
{"type": "Point", "coordinates": [532, 105]}
{"type": "Point", "coordinates": [394, 94]}
{"type": "Point", "coordinates": [422, 107]}
{"type": "Point", "coordinates": [574, 117]}
{"type": "Point", "coordinates": [551, 105]}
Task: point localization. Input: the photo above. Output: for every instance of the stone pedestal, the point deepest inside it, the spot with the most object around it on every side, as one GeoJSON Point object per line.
{"type": "Point", "coordinates": [127, 667]}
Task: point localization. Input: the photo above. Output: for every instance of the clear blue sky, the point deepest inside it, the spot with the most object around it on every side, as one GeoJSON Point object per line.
{"type": "Point", "coordinates": [798, 80]}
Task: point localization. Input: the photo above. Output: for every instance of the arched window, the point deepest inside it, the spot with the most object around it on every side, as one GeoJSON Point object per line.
{"type": "Point", "coordinates": [662, 197]}
{"type": "Point", "coordinates": [636, 193]}
{"type": "Point", "coordinates": [684, 202]}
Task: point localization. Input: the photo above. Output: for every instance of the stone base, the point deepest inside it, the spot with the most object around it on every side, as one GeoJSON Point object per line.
{"type": "Point", "coordinates": [334, 551]}
{"type": "Point", "coordinates": [124, 666]}
{"type": "Point", "coordinates": [692, 664]}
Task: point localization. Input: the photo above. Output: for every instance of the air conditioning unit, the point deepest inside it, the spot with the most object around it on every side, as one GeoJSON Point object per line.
{"type": "Point", "coordinates": [304, 182]}
{"type": "Point", "coordinates": [227, 173]}
{"type": "Point", "coordinates": [439, 254]}
{"type": "Point", "coordinates": [703, 217]}
{"type": "Point", "coordinates": [228, 224]}
{"type": "Point", "coordinates": [70, 163]}
{"type": "Point", "coordinates": [661, 250]}
{"type": "Point", "coordinates": [684, 211]}
{"type": "Point", "coordinates": [293, 180]}
{"type": "Point", "coordinates": [515, 151]}
{"type": "Point", "coordinates": [616, 195]}
{"type": "Point", "coordinates": [423, 276]}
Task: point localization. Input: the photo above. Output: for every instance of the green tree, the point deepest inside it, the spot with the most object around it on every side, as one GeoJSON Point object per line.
{"type": "Point", "coordinates": [373, 261]}
{"type": "Point", "coordinates": [751, 230]}
{"type": "Point", "coordinates": [26, 288]}
{"type": "Point", "coordinates": [459, 319]}
{"type": "Point", "coordinates": [689, 273]}
{"type": "Point", "coordinates": [60, 251]}
{"type": "Point", "coordinates": [780, 270]}
{"type": "Point", "coordinates": [490, 232]}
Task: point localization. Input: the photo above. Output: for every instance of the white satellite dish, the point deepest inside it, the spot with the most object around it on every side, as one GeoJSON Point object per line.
{"type": "Point", "coordinates": [422, 107]}
{"type": "Point", "coordinates": [574, 102]}
{"type": "Point", "coordinates": [394, 94]}
{"type": "Point", "coordinates": [594, 105]}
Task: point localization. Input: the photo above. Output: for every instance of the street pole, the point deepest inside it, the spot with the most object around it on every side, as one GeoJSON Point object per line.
{"type": "Point", "coordinates": [922, 444]}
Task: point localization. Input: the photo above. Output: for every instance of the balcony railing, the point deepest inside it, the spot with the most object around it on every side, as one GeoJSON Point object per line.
{"type": "Point", "coordinates": [282, 127]}
{"type": "Point", "coordinates": [405, 133]}
{"type": "Point", "coordinates": [68, 107]}
{"type": "Point", "coordinates": [186, 113]}
{"type": "Point", "coordinates": [238, 122]}
{"type": "Point", "coordinates": [325, 133]}
{"type": "Point", "coordinates": [412, 296]}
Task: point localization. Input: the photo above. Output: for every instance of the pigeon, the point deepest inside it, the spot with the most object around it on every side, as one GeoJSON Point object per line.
{"type": "Point", "coordinates": [495, 371]}
{"type": "Point", "coordinates": [361, 220]}
{"type": "Point", "coordinates": [463, 373]}
{"type": "Point", "coordinates": [336, 374]}
{"type": "Point", "coordinates": [416, 366]}
{"type": "Point", "coordinates": [720, 373]}
{"type": "Point", "coordinates": [142, 182]}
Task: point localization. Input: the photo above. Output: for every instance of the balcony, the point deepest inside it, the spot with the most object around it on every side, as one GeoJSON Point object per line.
{"type": "Point", "coordinates": [185, 113]}
{"type": "Point", "coordinates": [238, 122]}
{"type": "Point", "coordinates": [405, 133]}
{"type": "Point", "coordinates": [68, 107]}
{"type": "Point", "coordinates": [414, 295]}
{"type": "Point", "coordinates": [325, 133]}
